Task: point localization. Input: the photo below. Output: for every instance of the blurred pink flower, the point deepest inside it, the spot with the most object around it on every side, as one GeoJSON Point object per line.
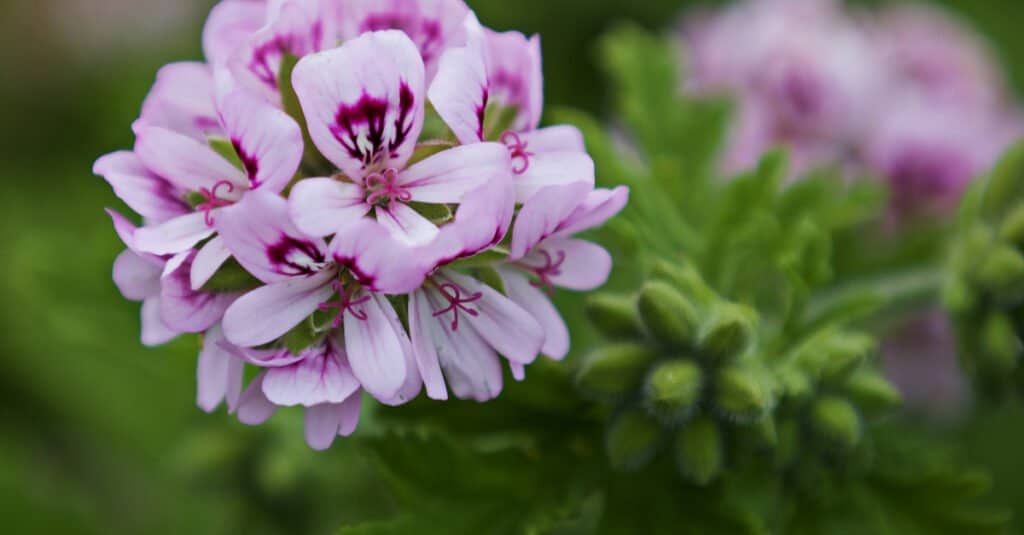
{"type": "Point", "coordinates": [920, 358]}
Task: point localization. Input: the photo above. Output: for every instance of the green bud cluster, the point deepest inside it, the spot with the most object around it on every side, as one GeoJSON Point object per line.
{"type": "Point", "coordinates": [686, 371]}
{"type": "Point", "coordinates": [984, 287]}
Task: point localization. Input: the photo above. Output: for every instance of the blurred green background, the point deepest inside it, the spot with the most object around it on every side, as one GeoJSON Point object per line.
{"type": "Point", "coordinates": [99, 435]}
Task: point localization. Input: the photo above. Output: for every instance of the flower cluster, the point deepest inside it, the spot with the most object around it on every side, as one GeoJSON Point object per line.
{"type": "Point", "coordinates": [906, 94]}
{"type": "Point", "coordinates": [355, 195]}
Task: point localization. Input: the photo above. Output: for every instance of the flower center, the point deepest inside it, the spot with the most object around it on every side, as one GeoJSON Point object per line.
{"type": "Point", "coordinates": [517, 148]}
{"type": "Point", "coordinates": [552, 268]}
{"type": "Point", "coordinates": [212, 201]}
{"type": "Point", "coordinates": [457, 303]}
{"type": "Point", "coordinates": [384, 187]}
{"type": "Point", "coordinates": [345, 303]}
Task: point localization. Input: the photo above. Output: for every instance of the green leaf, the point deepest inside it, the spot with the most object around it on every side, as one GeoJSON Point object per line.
{"type": "Point", "coordinates": [226, 149]}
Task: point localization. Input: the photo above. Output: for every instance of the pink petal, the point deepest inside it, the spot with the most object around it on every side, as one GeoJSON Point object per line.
{"type": "Point", "coordinates": [561, 138]}
{"type": "Point", "coordinates": [449, 175]}
{"type": "Point", "coordinates": [471, 367]}
{"type": "Point", "coordinates": [509, 329]}
{"type": "Point", "coordinates": [230, 24]}
{"type": "Point", "coordinates": [321, 206]}
{"type": "Point", "coordinates": [136, 277]}
{"type": "Point", "coordinates": [599, 206]}
{"type": "Point", "coordinates": [413, 382]}
{"type": "Point", "coordinates": [534, 301]}
{"type": "Point", "coordinates": [253, 407]}
{"type": "Point", "coordinates": [323, 376]}
{"type": "Point", "coordinates": [368, 250]}
{"type": "Point", "coordinates": [460, 93]}
{"type": "Point", "coordinates": [553, 169]}
{"type": "Point", "coordinates": [481, 222]}
{"type": "Point", "coordinates": [208, 260]}
{"type": "Point", "coordinates": [295, 27]}
{"type": "Point", "coordinates": [515, 75]}
{"type": "Point", "coordinates": [267, 140]}
{"type": "Point", "coordinates": [423, 346]}
{"type": "Point", "coordinates": [327, 421]}
{"type": "Point", "coordinates": [263, 315]}
{"type": "Point", "coordinates": [518, 371]}
{"type": "Point", "coordinates": [433, 25]}
{"type": "Point", "coordinates": [260, 234]}
{"type": "Point", "coordinates": [406, 224]}
{"type": "Point", "coordinates": [374, 350]}
{"type": "Point", "coordinates": [586, 266]}
{"type": "Point", "coordinates": [218, 374]}
{"type": "Point", "coordinates": [363, 101]}
{"type": "Point", "coordinates": [174, 236]}
{"type": "Point", "coordinates": [154, 331]}
{"type": "Point", "coordinates": [182, 100]}
{"type": "Point", "coordinates": [186, 310]}
{"type": "Point", "coordinates": [126, 230]}
{"type": "Point", "coordinates": [183, 161]}
{"type": "Point", "coordinates": [144, 192]}
{"type": "Point", "coordinates": [543, 214]}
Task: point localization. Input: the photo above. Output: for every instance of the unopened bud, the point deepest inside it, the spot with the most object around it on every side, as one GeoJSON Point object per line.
{"type": "Point", "coordinates": [686, 279]}
{"type": "Point", "coordinates": [1001, 273]}
{"type": "Point", "coordinates": [872, 392]}
{"type": "Point", "coordinates": [668, 315]}
{"type": "Point", "coordinates": [836, 421]}
{"type": "Point", "coordinates": [615, 370]}
{"type": "Point", "coordinates": [740, 395]}
{"type": "Point", "coordinates": [728, 332]}
{"type": "Point", "coordinates": [615, 316]}
{"type": "Point", "coordinates": [843, 354]}
{"type": "Point", "coordinates": [1012, 229]}
{"type": "Point", "coordinates": [632, 439]}
{"type": "Point", "coordinates": [673, 389]}
{"type": "Point", "coordinates": [1001, 347]}
{"type": "Point", "coordinates": [698, 451]}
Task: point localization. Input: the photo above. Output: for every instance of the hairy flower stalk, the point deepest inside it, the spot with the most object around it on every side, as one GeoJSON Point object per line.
{"type": "Point", "coordinates": [297, 214]}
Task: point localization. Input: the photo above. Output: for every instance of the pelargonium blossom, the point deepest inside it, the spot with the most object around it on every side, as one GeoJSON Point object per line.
{"type": "Point", "coordinates": [297, 214]}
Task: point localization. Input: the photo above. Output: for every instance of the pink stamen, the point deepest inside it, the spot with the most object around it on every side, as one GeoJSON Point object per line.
{"type": "Point", "coordinates": [385, 187]}
{"type": "Point", "coordinates": [551, 268]}
{"type": "Point", "coordinates": [517, 147]}
{"type": "Point", "coordinates": [212, 200]}
{"type": "Point", "coordinates": [344, 304]}
{"type": "Point", "coordinates": [457, 303]}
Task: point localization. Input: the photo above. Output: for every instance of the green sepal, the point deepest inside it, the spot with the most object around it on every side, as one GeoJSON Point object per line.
{"type": "Point", "coordinates": [632, 439]}
{"type": "Point", "coordinates": [301, 337]}
{"type": "Point", "coordinates": [489, 258]}
{"type": "Point", "coordinates": [498, 119]}
{"type": "Point", "coordinates": [231, 278]}
{"type": "Point", "coordinates": [226, 149]}
{"type": "Point", "coordinates": [687, 280]}
{"type": "Point", "coordinates": [740, 395]}
{"type": "Point", "coordinates": [313, 163]}
{"type": "Point", "coordinates": [843, 354]}
{"type": "Point", "coordinates": [615, 316]}
{"type": "Point", "coordinates": [490, 276]}
{"type": "Point", "coordinates": [699, 452]}
{"type": "Point", "coordinates": [669, 316]}
{"type": "Point", "coordinates": [614, 370]}
{"type": "Point", "coordinates": [836, 421]}
{"type": "Point", "coordinates": [673, 389]}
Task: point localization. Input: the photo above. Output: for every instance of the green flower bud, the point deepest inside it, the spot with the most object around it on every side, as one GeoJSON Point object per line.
{"type": "Point", "coordinates": [632, 439]}
{"type": "Point", "coordinates": [687, 280]}
{"type": "Point", "coordinates": [740, 395]}
{"type": "Point", "coordinates": [1001, 273]}
{"type": "Point", "coordinates": [844, 354]}
{"type": "Point", "coordinates": [615, 370]}
{"type": "Point", "coordinates": [957, 295]}
{"type": "Point", "coordinates": [795, 383]}
{"type": "Point", "coordinates": [699, 452]}
{"type": "Point", "coordinates": [729, 331]}
{"type": "Point", "coordinates": [1012, 229]}
{"type": "Point", "coordinates": [668, 315]}
{"type": "Point", "coordinates": [673, 389]}
{"type": "Point", "coordinates": [872, 392]}
{"type": "Point", "coordinates": [1001, 347]}
{"type": "Point", "coordinates": [615, 316]}
{"type": "Point", "coordinates": [836, 420]}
